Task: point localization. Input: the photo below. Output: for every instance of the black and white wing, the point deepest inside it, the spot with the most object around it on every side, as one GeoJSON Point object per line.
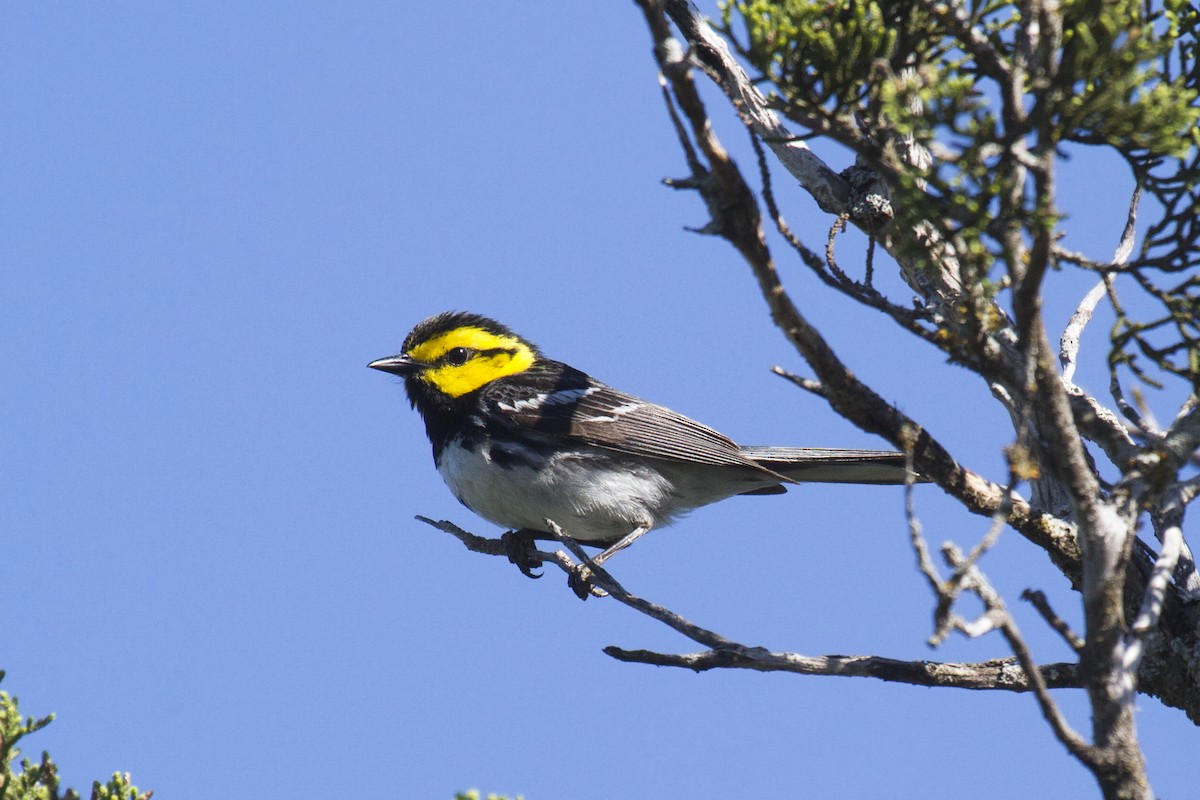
{"type": "Point", "coordinates": [560, 401]}
{"type": "Point", "coordinates": [567, 403]}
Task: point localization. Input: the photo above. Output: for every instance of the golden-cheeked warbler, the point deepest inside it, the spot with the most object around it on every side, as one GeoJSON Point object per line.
{"type": "Point", "coordinates": [521, 439]}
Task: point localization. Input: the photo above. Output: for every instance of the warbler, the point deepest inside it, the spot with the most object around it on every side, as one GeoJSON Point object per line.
{"type": "Point", "coordinates": [521, 439]}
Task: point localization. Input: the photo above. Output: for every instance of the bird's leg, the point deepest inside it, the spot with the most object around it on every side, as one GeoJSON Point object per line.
{"type": "Point", "coordinates": [628, 539]}
{"type": "Point", "coordinates": [580, 579]}
{"type": "Point", "coordinates": [521, 549]}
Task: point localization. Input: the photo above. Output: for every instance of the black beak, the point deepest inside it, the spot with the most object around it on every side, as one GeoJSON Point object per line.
{"type": "Point", "coordinates": [397, 365]}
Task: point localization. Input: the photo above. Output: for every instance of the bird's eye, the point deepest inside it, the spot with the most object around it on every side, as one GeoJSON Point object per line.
{"type": "Point", "coordinates": [458, 356]}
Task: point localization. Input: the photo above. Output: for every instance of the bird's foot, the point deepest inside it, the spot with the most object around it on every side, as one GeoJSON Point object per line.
{"type": "Point", "coordinates": [580, 579]}
{"type": "Point", "coordinates": [521, 549]}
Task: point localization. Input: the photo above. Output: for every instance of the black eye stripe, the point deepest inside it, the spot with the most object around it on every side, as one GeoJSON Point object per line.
{"type": "Point", "coordinates": [457, 356]}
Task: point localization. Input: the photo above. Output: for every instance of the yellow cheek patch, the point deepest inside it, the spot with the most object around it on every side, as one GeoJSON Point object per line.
{"type": "Point", "coordinates": [481, 369]}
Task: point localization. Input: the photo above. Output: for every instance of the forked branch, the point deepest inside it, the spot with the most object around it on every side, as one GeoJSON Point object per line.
{"type": "Point", "coordinates": [1004, 674]}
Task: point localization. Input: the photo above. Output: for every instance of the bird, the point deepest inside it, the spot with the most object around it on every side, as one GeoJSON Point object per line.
{"type": "Point", "coordinates": [521, 440]}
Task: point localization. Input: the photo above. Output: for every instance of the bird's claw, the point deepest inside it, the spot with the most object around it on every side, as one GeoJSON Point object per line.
{"type": "Point", "coordinates": [521, 549]}
{"type": "Point", "coordinates": [580, 581]}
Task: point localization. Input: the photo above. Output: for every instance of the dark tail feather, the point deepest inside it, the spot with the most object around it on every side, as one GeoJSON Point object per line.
{"type": "Point", "coordinates": [820, 465]}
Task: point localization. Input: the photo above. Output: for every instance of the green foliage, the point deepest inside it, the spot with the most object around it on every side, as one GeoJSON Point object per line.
{"type": "Point", "coordinates": [832, 56]}
{"type": "Point", "coordinates": [1114, 88]}
{"type": "Point", "coordinates": [970, 81]}
{"type": "Point", "coordinates": [1107, 79]}
{"type": "Point", "coordinates": [39, 781]}
{"type": "Point", "coordinates": [118, 788]}
{"type": "Point", "coordinates": [963, 108]}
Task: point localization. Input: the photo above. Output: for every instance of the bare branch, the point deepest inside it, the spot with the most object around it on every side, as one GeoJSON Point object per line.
{"type": "Point", "coordinates": [1072, 506]}
{"type": "Point", "coordinates": [1181, 441]}
{"type": "Point", "coordinates": [1038, 600]}
{"type": "Point", "coordinates": [829, 189]}
{"type": "Point", "coordinates": [999, 674]}
{"type": "Point", "coordinates": [474, 543]}
{"type": "Point", "coordinates": [1004, 674]}
{"type": "Point", "coordinates": [916, 537]}
{"type": "Point", "coordinates": [1124, 246]}
{"type": "Point", "coordinates": [1129, 234]}
{"type": "Point", "coordinates": [1154, 596]}
{"type": "Point", "coordinates": [1068, 346]}
{"type": "Point", "coordinates": [1101, 425]}
{"type": "Point", "coordinates": [997, 613]}
{"type": "Point", "coordinates": [916, 321]}
{"type": "Point", "coordinates": [736, 218]}
{"type": "Point", "coordinates": [839, 226]}
{"type": "Point", "coordinates": [1160, 578]}
{"type": "Point", "coordinates": [967, 576]}
{"type": "Point", "coordinates": [807, 384]}
{"type": "Point", "coordinates": [1095, 420]}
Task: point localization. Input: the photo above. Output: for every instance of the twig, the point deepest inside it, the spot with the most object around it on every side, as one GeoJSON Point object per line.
{"type": "Point", "coordinates": [830, 190]}
{"type": "Point", "coordinates": [1171, 534]}
{"type": "Point", "coordinates": [925, 563]}
{"type": "Point", "coordinates": [1129, 233]}
{"type": "Point", "coordinates": [839, 226]}
{"type": "Point", "coordinates": [998, 612]}
{"type": "Point", "coordinates": [947, 592]}
{"type": "Point", "coordinates": [474, 543]}
{"type": "Point", "coordinates": [1068, 344]}
{"type": "Point", "coordinates": [1181, 441]}
{"type": "Point", "coordinates": [496, 547]}
{"type": "Point", "coordinates": [1003, 674]}
{"type": "Point", "coordinates": [991, 61]}
{"type": "Point", "coordinates": [1101, 425]}
{"type": "Point", "coordinates": [869, 274]}
{"type": "Point", "coordinates": [967, 576]}
{"type": "Point", "coordinates": [1187, 579]}
{"type": "Point", "coordinates": [1123, 250]}
{"type": "Point", "coordinates": [915, 321]}
{"type": "Point", "coordinates": [1160, 578]}
{"type": "Point", "coordinates": [1038, 600]}
{"type": "Point", "coordinates": [996, 674]}
{"type": "Point", "coordinates": [807, 384]}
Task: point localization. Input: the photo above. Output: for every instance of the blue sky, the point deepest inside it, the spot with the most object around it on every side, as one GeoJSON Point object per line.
{"type": "Point", "coordinates": [215, 214]}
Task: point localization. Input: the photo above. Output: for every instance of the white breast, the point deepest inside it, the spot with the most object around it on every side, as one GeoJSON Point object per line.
{"type": "Point", "coordinates": [592, 494]}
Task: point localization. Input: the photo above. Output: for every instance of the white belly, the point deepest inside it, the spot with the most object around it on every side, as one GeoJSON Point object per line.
{"type": "Point", "coordinates": [524, 492]}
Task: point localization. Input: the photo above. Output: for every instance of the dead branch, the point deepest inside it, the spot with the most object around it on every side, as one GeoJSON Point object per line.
{"type": "Point", "coordinates": [996, 674]}
{"type": "Point", "coordinates": [1002, 674]}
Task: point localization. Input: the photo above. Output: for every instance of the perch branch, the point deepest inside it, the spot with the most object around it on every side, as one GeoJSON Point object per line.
{"type": "Point", "coordinates": [995, 674]}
